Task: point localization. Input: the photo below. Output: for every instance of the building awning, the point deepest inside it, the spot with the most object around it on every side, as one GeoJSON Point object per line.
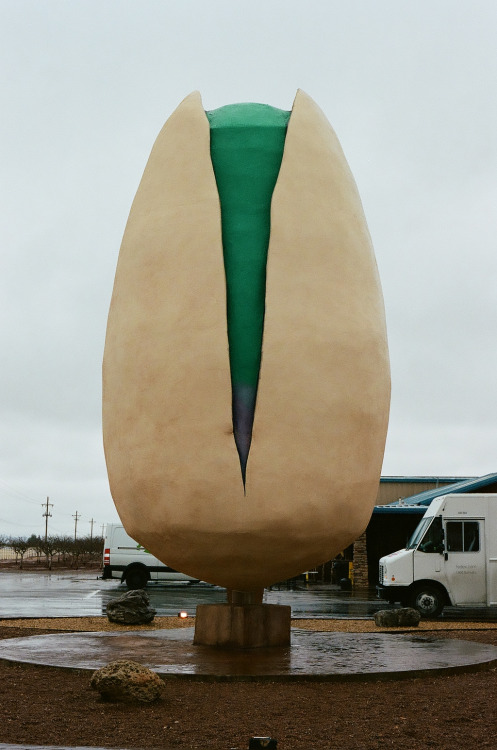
{"type": "Point", "coordinates": [417, 504]}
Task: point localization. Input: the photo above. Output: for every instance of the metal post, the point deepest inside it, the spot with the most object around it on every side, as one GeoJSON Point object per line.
{"type": "Point", "coordinates": [46, 515]}
{"type": "Point", "coordinates": [76, 519]}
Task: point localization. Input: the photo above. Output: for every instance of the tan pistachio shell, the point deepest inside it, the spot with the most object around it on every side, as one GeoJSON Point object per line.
{"type": "Point", "coordinates": [324, 389]}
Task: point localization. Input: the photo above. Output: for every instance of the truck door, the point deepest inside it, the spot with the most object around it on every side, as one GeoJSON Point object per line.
{"type": "Point", "coordinates": [428, 554]}
{"type": "Point", "coordinates": [465, 567]}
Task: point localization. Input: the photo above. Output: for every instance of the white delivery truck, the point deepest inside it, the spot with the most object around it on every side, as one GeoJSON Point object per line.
{"type": "Point", "coordinates": [126, 559]}
{"type": "Point", "coordinates": [451, 558]}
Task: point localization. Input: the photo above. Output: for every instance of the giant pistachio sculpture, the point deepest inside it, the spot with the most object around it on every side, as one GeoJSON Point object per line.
{"type": "Point", "coordinates": [298, 482]}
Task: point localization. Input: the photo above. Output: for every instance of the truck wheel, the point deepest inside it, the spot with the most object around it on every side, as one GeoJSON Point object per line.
{"type": "Point", "coordinates": [428, 600]}
{"type": "Point", "coordinates": [136, 578]}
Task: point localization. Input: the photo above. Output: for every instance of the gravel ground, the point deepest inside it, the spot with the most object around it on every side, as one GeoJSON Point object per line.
{"type": "Point", "coordinates": [337, 626]}
{"type": "Point", "coordinates": [45, 705]}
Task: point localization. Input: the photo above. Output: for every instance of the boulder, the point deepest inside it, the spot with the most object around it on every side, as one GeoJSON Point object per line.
{"type": "Point", "coordinates": [394, 618]}
{"type": "Point", "coordinates": [132, 608]}
{"type": "Point", "coordinates": [408, 616]}
{"type": "Point", "coordinates": [127, 681]}
{"type": "Point", "coordinates": [386, 618]}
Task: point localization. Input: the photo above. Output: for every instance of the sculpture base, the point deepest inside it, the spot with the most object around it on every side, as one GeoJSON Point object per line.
{"type": "Point", "coordinates": [242, 626]}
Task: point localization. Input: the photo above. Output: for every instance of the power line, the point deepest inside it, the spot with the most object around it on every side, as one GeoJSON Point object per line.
{"type": "Point", "coordinates": [18, 494]}
{"type": "Point", "coordinates": [14, 523]}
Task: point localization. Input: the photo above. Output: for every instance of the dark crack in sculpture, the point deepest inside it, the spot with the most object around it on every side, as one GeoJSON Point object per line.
{"type": "Point", "coordinates": [247, 142]}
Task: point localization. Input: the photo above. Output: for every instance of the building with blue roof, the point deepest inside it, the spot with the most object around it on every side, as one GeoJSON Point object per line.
{"type": "Point", "coordinates": [392, 524]}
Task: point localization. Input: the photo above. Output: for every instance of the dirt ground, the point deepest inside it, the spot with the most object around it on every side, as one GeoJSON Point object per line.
{"type": "Point", "coordinates": [45, 705]}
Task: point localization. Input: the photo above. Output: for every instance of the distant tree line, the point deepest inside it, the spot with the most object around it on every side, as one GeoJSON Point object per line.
{"type": "Point", "coordinates": [64, 549]}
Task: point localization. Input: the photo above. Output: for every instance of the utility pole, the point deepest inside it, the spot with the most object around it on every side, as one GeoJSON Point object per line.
{"type": "Point", "coordinates": [91, 529]}
{"type": "Point", "coordinates": [76, 519]}
{"type": "Point", "coordinates": [46, 515]}
{"type": "Point", "coordinates": [103, 527]}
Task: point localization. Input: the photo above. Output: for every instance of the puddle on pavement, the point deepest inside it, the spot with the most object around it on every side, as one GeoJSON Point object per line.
{"type": "Point", "coordinates": [312, 654]}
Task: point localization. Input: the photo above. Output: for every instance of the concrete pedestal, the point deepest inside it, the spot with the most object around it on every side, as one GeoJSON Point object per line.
{"type": "Point", "coordinates": [242, 626]}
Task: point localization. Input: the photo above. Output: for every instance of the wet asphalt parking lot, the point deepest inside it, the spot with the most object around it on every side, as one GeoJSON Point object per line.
{"type": "Point", "coordinates": [83, 593]}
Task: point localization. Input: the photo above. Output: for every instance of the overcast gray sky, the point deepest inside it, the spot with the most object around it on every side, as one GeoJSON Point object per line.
{"type": "Point", "coordinates": [86, 85]}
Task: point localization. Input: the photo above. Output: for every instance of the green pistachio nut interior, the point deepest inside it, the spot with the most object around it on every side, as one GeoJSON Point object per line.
{"type": "Point", "coordinates": [247, 142]}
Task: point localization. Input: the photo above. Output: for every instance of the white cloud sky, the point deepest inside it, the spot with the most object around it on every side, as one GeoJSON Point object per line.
{"type": "Point", "coordinates": [86, 85]}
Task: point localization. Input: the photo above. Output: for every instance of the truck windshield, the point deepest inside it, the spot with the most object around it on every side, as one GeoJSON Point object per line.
{"type": "Point", "coordinates": [418, 532]}
{"type": "Point", "coordinates": [428, 536]}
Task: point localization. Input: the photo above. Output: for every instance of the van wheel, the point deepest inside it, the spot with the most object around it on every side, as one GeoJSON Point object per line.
{"type": "Point", "coordinates": [428, 600]}
{"type": "Point", "coordinates": [136, 578]}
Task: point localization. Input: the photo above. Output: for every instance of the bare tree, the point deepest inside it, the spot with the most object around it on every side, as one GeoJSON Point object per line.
{"type": "Point", "coordinates": [49, 547]}
{"type": "Point", "coordinates": [64, 546]}
{"type": "Point", "coordinates": [94, 548]}
{"type": "Point", "coordinates": [78, 549]}
{"type": "Point", "coordinates": [20, 545]}
{"type": "Point", "coordinates": [34, 543]}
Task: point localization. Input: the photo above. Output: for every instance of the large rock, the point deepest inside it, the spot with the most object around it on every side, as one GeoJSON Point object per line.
{"type": "Point", "coordinates": [132, 608]}
{"type": "Point", "coordinates": [127, 681]}
{"type": "Point", "coordinates": [394, 618]}
{"type": "Point", "coordinates": [409, 616]}
{"type": "Point", "coordinates": [386, 618]}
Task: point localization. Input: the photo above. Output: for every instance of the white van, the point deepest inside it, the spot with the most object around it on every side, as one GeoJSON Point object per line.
{"type": "Point", "coordinates": [451, 558]}
{"type": "Point", "coordinates": [126, 559]}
